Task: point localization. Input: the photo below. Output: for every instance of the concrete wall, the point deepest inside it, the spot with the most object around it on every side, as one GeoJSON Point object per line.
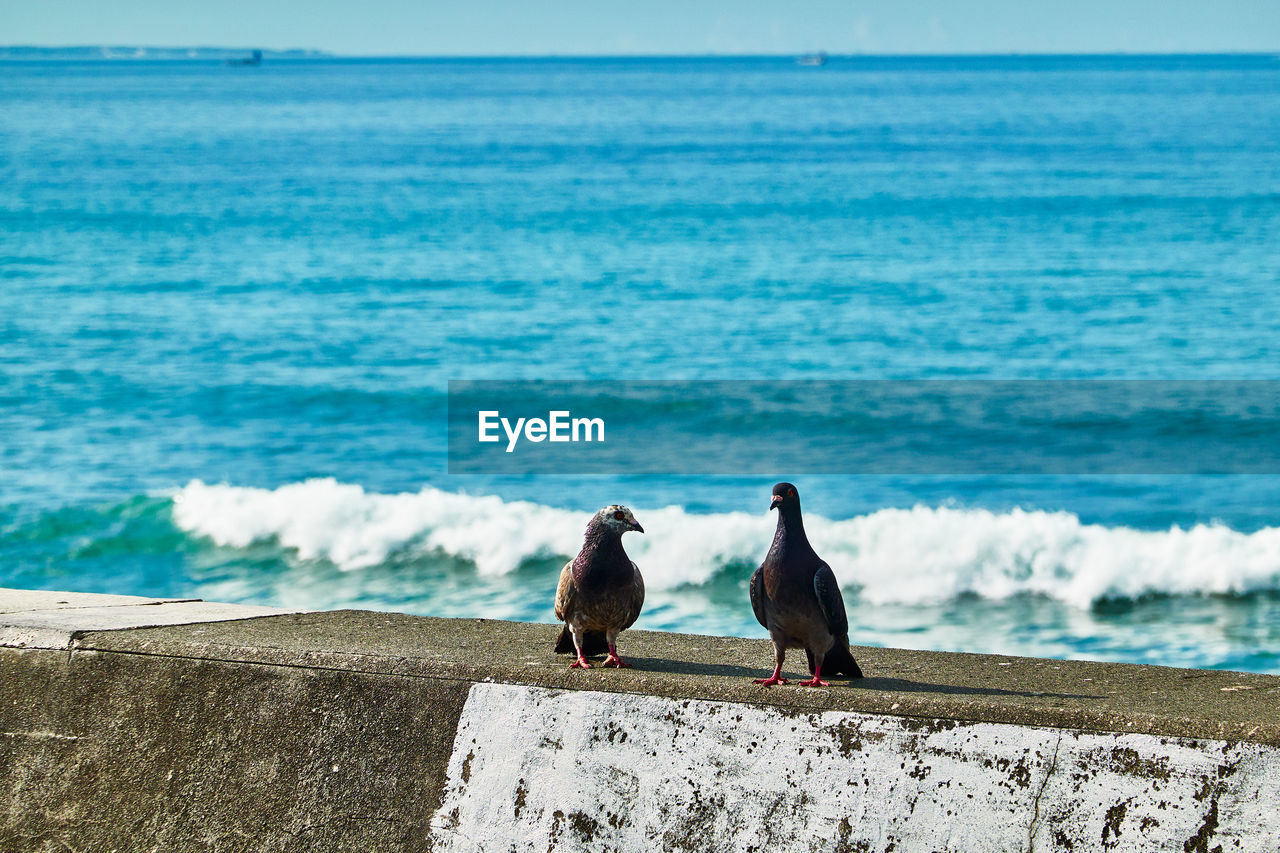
{"type": "Point", "coordinates": [110, 752]}
{"type": "Point", "coordinates": [590, 771]}
{"type": "Point", "coordinates": [367, 731]}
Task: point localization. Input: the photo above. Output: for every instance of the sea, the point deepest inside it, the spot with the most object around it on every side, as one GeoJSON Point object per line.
{"type": "Point", "coordinates": [231, 299]}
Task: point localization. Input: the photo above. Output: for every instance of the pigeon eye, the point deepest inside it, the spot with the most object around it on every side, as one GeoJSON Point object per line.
{"type": "Point", "coordinates": [619, 515]}
{"type": "Point", "coordinates": [791, 493]}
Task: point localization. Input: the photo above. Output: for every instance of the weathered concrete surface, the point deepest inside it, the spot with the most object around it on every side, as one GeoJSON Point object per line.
{"type": "Point", "coordinates": [36, 619]}
{"type": "Point", "coordinates": [21, 600]}
{"type": "Point", "coordinates": [1081, 695]}
{"type": "Point", "coordinates": [575, 770]}
{"type": "Point", "coordinates": [103, 752]}
{"type": "Point", "coordinates": [225, 735]}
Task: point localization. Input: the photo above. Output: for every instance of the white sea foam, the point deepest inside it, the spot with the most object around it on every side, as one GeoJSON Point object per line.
{"type": "Point", "coordinates": [922, 554]}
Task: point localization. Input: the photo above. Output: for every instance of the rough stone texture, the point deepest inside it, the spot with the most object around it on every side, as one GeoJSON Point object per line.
{"type": "Point", "coordinates": [1080, 695]}
{"type": "Point", "coordinates": [581, 771]}
{"type": "Point", "coordinates": [103, 752]}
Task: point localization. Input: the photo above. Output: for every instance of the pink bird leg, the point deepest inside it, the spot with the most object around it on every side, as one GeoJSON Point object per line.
{"type": "Point", "coordinates": [776, 678]}
{"type": "Point", "coordinates": [816, 681]}
{"type": "Point", "coordinates": [614, 659]}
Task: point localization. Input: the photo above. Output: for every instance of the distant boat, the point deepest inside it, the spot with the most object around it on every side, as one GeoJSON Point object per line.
{"type": "Point", "coordinates": [812, 59]}
{"type": "Point", "coordinates": [253, 59]}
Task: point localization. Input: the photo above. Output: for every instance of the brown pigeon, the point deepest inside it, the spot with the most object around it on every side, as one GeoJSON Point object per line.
{"type": "Point", "coordinates": [601, 591]}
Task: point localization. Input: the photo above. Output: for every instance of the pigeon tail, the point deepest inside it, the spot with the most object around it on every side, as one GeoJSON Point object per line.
{"type": "Point", "coordinates": [838, 661]}
{"type": "Point", "coordinates": [593, 643]}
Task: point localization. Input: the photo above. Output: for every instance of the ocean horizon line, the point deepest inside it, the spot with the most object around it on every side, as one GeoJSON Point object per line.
{"type": "Point", "coordinates": [147, 52]}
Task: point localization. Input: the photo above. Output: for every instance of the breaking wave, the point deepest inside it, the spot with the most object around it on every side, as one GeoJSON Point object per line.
{"type": "Point", "coordinates": [918, 555]}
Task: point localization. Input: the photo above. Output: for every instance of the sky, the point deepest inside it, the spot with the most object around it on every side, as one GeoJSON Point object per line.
{"type": "Point", "coordinates": [609, 27]}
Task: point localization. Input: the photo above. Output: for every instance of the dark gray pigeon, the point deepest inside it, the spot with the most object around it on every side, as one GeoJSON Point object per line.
{"type": "Point", "coordinates": [795, 597]}
{"type": "Point", "coordinates": [601, 591]}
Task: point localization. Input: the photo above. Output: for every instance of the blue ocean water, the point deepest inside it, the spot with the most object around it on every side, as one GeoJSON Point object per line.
{"type": "Point", "coordinates": [231, 299]}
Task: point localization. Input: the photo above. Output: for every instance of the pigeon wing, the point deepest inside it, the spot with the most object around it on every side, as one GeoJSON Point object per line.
{"type": "Point", "coordinates": [637, 598]}
{"type": "Point", "coordinates": [566, 592]}
{"type": "Point", "coordinates": [829, 599]}
{"type": "Point", "coordinates": [757, 596]}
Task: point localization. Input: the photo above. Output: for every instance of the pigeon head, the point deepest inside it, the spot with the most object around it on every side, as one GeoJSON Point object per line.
{"type": "Point", "coordinates": [616, 518]}
{"type": "Point", "coordinates": [786, 498]}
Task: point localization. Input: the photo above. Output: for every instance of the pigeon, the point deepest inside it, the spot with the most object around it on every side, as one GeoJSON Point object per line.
{"type": "Point", "coordinates": [795, 597]}
{"type": "Point", "coordinates": [601, 590]}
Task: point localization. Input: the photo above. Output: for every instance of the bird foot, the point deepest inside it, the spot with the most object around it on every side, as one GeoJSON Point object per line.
{"type": "Point", "coordinates": [614, 660]}
{"type": "Point", "coordinates": [815, 682]}
{"type": "Point", "coordinates": [580, 663]}
{"type": "Point", "coordinates": [770, 681]}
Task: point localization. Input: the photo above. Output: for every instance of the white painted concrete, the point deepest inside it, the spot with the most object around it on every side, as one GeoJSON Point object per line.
{"type": "Point", "coordinates": [553, 770]}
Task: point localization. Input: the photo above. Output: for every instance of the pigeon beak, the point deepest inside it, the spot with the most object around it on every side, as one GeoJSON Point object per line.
{"type": "Point", "coordinates": [775, 502]}
{"type": "Point", "coordinates": [635, 525]}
